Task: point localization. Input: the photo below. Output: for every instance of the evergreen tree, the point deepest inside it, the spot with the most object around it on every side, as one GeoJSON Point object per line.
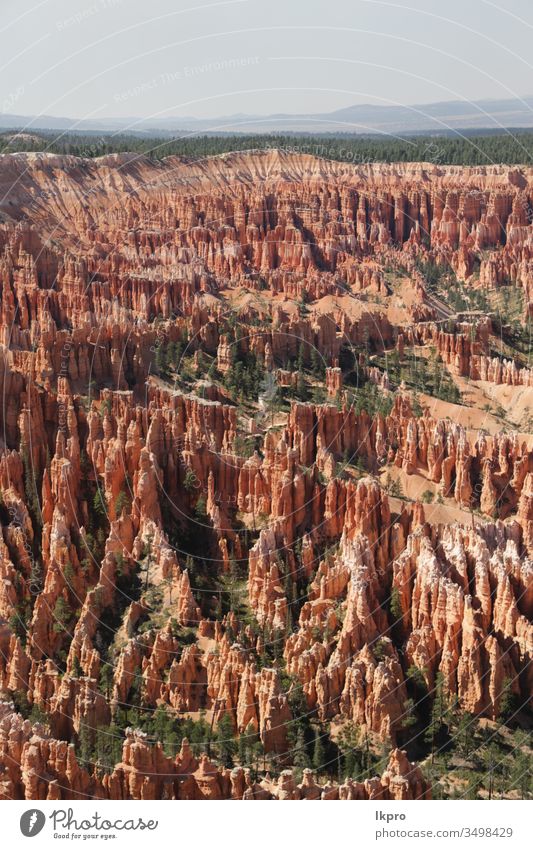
{"type": "Point", "coordinates": [226, 744]}
{"type": "Point", "coordinates": [190, 481]}
{"type": "Point", "coordinates": [300, 756]}
{"type": "Point", "coordinates": [300, 362]}
{"type": "Point", "coordinates": [508, 701]}
{"type": "Point", "coordinates": [464, 733]}
{"type": "Point", "coordinates": [317, 363]}
{"type": "Point", "coordinates": [348, 744]}
{"type": "Point", "coordinates": [62, 615]}
{"type": "Point", "coordinates": [85, 746]}
{"type": "Point", "coordinates": [242, 750]}
{"type": "Point", "coordinates": [99, 505]}
{"type": "Point", "coordinates": [319, 751]}
{"type": "Point", "coordinates": [76, 667]}
{"type": "Point", "coordinates": [173, 354]}
{"type": "Point", "coordinates": [161, 360]}
{"type": "Point", "coordinates": [489, 759]}
{"type": "Point", "coordinates": [30, 488]}
{"type": "Point", "coordinates": [521, 775]}
{"type": "Point", "coordinates": [417, 682]}
{"type": "Point", "coordinates": [409, 718]}
{"type": "Point", "coordinates": [108, 747]}
{"type": "Point", "coordinates": [396, 608]}
{"type": "Point", "coordinates": [201, 508]}
{"type": "Point", "coordinates": [106, 679]}
{"type": "Point", "coordinates": [121, 502]}
{"type": "Point", "coordinates": [201, 736]}
{"type": "Point", "coordinates": [439, 715]}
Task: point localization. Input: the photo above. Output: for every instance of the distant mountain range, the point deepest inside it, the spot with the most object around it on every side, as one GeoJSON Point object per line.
{"type": "Point", "coordinates": [450, 117]}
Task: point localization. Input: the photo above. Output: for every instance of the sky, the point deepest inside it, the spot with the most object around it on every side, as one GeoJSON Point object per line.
{"type": "Point", "coordinates": [202, 58]}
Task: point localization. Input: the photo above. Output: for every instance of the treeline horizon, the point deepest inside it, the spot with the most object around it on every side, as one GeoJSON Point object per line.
{"type": "Point", "coordinates": [506, 148]}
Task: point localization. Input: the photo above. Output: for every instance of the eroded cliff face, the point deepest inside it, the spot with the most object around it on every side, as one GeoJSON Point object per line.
{"type": "Point", "coordinates": [211, 410]}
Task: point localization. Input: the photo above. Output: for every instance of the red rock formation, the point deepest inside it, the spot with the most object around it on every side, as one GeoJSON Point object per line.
{"type": "Point", "coordinates": [40, 767]}
{"type": "Point", "coordinates": [173, 543]}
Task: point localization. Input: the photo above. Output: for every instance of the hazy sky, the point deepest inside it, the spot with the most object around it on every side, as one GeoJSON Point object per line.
{"type": "Point", "coordinates": [147, 58]}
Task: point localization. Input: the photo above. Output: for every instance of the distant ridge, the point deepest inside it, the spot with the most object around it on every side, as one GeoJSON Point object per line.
{"type": "Point", "coordinates": [451, 117]}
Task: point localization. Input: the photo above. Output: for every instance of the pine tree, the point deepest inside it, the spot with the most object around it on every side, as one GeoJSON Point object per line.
{"type": "Point", "coordinates": [62, 614]}
{"type": "Point", "coordinates": [439, 715]}
{"type": "Point", "coordinates": [508, 700]}
{"type": "Point", "coordinates": [464, 733]}
{"type": "Point", "coordinates": [226, 744]}
{"type": "Point", "coordinates": [416, 679]}
{"type": "Point", "coordinates": [301, 386]}
{"type": "Point", "coordinates": [161, 360]}
{"type": "Point", "coordinates": [30, 488]}
{"type": "Point", "coordinates": [489, 758]}
{"type": "Point", "coordinates": [348, 743]}
{"type": "Point", "coordinates": [396, 607]}
{"type": "Point", "coordinates": [521, 775]}
{"type": "Point", "coordinates": [85, 746]}
{"type": "Point", "coordinates": [76, 667]}
{"type": "Point", "coordinates": [99, 505]}
{"type": "Point", "coordinates": [108, 747]}
{"type": "Point", "coordinates": [106, 679]}
{"type": "Point", "coordinates": [300, 756]}
{"type": "Point", "coordinates": [121, 502]}
{"type": "Point", "coordinates": [409, 718]}
{"type": "Point", "coordinates": [319, 751]}
{"type": "Point", "coordinates": [201, 736]}
{"type": "Point", "coordinates": [254, 745]}
{"type": "Point", "coordinates": [201, 508]}
{"type": "Point", "coordinates": [317, 363]}
{"type": "Point", "coordinates": [190, 481]}
{"type": "Point", "coordinates": [173, 354]}
{"type": "Point", "coordinates": [300, 362]}
{"type": "Point", "coordinates": [171, 742]}
{"type": "Point", "coordinates": [243, 749]}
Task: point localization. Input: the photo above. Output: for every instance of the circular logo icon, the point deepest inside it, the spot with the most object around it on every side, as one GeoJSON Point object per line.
{"type": "Point", "coordinates": [32, 822]}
